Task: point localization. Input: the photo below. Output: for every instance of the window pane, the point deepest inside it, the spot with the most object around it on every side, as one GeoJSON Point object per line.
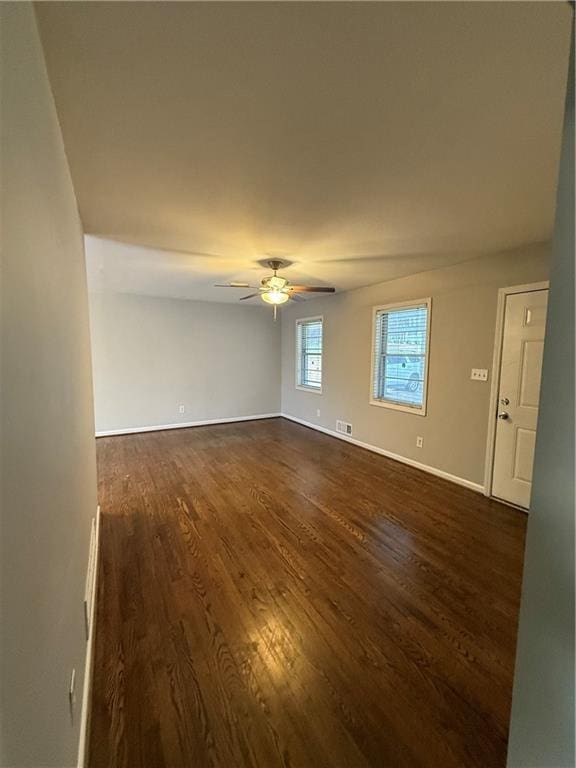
{"type": "Point", "coordinates": [313, 337]}
{"type": "Point", "coordinates": [401, 338]}
{"type": "Point", "coordinates": [404, 390]}
{"type": "Point", "coordinates": [312, 372]}
{"type": "Point", "coordinates": [309, 353]}
{"type": "Point", "coordinates": [405, 331]}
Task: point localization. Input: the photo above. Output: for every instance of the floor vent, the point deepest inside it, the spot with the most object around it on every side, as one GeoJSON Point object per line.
{"type": "Point", "coordinates": [343, 427]}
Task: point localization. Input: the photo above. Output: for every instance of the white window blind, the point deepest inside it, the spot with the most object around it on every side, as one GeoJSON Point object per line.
{"type": "Point", "coordinates": [309, 353]}
{"type": "Point", "coordinates": [400, 356]}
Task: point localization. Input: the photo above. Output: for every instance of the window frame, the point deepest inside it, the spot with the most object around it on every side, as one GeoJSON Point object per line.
{"type": "Point", "coordinates": [306, 387]}
{"type": "Point", "coordinates": [405, 407]}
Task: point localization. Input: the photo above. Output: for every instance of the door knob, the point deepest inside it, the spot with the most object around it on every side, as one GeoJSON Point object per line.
{"type": "Point", "coordinates": [503, 415]}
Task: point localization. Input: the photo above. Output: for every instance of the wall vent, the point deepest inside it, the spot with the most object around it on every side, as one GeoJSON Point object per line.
{"type": "Point", "coordinates": [343, 427]}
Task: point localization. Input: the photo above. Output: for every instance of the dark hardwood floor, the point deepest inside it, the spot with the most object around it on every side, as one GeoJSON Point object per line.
{"type": "Point", "coordinates": [270, 596]}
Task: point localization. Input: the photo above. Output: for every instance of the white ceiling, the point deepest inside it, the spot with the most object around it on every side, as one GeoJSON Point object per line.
{"type": "Point", "coordinates": [361, 141]}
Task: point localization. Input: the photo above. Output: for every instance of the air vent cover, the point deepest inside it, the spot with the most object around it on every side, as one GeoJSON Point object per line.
{"type": "Point", "coordinates": [343, 427]}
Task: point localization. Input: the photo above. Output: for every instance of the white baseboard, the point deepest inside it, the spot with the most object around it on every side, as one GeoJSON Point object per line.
{"type": "Point", "coordinates": [87, 689]}
{"type": "Point", "coordinates": [184, 424]}
{"type": "Point", "coordinates": [402, 459]}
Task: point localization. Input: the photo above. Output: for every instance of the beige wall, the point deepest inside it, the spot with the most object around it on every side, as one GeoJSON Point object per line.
{"type": "Point", "coordinates": [463, 322]}
{"type": "Point", "coordinates": [543, 711]}
{"type": "Point", "coordinates": [151, 355]}
{"type": "Point", "coordinates": [48, 459]}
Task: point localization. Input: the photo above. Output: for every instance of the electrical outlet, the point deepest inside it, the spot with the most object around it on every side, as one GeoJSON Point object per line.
{"type": "Point", "coordinates": [181, 409]}
{"type": "Point", "coordinates": [419, 442]}
{"type": "Point", "coordinates": [479, 374]}
{"type": "Point", "coordinates": [317, 412]}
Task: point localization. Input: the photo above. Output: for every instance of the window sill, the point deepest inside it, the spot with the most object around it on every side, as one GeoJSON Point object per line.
{"type": "Point", "coordinates": [399, 407]}
{"type": "Point", "coordinates": [314, 390]}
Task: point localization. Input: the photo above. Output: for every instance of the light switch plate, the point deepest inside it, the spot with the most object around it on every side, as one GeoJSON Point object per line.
{"type": "Point", "coordinates": [479, 374]}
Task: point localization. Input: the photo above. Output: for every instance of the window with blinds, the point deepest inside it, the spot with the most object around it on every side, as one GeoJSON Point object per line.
{"type": "Point", "coordinates": [309, 353]}
{"type": "Point", "coordinates": [400, 356]}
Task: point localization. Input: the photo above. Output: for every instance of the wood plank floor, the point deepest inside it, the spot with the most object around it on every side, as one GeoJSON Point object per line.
{"type": "Point", "coordinates": [270, 596]}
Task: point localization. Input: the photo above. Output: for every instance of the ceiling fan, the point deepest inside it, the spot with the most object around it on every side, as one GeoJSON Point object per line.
{"type": "Point", "coordinates": [275, 289]}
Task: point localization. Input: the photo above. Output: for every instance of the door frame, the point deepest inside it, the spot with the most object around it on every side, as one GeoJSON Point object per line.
{"type": "Point", "coordinates": [503, 293]}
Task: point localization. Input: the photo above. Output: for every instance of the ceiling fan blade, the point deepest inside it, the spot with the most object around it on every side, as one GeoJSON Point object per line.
{"type": "Point", "coordinates": [312, 289]}
{"type": "Point", "coordinates": [233, 285]}
{"type": "Point", "coordinates": [295, 297]}
{"type": "Point", "coordinates": [250, 296]}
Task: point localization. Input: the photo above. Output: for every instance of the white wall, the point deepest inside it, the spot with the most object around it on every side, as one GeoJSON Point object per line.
{"type": "Point", "coordinates": [463, 318]}
{"type": "Point", "coordinates": [151, 355]}
{"type": "Point", "coordinates": [48, 459]}
{"type": "Point", "coordinates": [542, 723]}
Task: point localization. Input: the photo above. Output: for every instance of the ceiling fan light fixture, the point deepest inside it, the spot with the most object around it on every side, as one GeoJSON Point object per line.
{"type": "Point", "coordinates": [276, 290]}
{"type": "Point", "coordinates": [275, 297]}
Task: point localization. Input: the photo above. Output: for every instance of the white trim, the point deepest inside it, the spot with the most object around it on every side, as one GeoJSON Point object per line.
{"type": "Point", "coordinates": [184, 425]}
{"type": "Point", "coordinates": [395, 456]}
{"type": "Point", "coordinates": [314, 390]}
{"type": "Point", "coordinates": [88, 665]}
{"type": "Point", "coordinates": [417, 411]}
{"type": "Point", "coordinates": [496, 360]}
{"type": "Point", "coordinates": [303, 387]}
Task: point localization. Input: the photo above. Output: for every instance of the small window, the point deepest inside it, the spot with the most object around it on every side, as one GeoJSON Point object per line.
{"type": "Point", "coordinates": [309, 354]}
{"type": "Point", "coordinates": [400, 356]}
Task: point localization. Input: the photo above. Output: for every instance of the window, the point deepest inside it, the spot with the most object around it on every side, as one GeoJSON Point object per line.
{"type": "Point", "coordinates": [309, 354]}
{"type": "Point", "coordinates": [400, 356]}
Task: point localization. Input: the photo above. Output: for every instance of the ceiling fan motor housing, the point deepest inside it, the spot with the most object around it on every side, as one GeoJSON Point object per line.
{"type": "Point", "coordinates": [274, 283]}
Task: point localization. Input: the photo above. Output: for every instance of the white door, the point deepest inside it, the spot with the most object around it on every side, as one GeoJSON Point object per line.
{"type": "Point", "coordinates": [519, 391]}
